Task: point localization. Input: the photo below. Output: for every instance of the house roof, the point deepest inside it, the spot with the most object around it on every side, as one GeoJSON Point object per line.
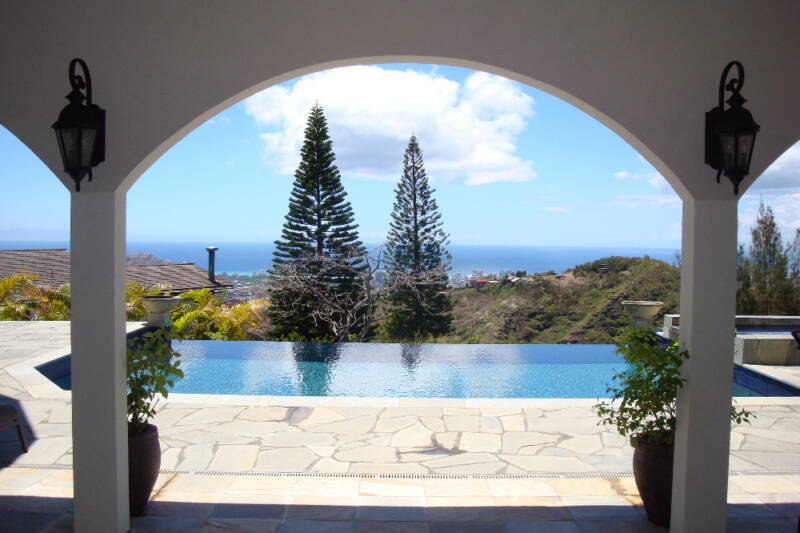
{"type": "Point", "coordinates": [53, 268]}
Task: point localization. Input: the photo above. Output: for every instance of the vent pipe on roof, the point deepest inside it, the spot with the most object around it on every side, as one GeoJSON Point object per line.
{"type": "Point", "coordinates": [211, 251]}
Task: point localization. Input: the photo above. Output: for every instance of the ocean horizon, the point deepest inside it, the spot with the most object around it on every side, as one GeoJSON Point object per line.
{"type": "Point", "coordinates": [246, 258]}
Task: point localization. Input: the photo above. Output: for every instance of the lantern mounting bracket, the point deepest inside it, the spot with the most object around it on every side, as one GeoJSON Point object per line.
{"type": "Point", "coordinates": [80, 128]}
{"type": "Point", "coordinates": [80, 83]}
{"type": "Point", "coordinates": [730, 134]}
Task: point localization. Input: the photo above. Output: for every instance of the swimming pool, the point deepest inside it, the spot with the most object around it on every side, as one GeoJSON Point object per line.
{"type": "Point", "coordinates": [406, 370]}
{"type": "Point", "coordinates": [397, 370]}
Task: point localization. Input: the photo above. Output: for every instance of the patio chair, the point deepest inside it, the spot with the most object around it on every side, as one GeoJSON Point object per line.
{"type": "Point", "coordinates": [8, 419]}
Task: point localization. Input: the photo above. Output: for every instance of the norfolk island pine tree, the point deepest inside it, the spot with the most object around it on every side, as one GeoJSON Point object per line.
{"type": "Point", "coordinates": [417, 244]}
{"type": "Point", "coordinates": [320, 221]}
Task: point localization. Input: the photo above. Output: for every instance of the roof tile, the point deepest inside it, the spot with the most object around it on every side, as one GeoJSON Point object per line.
{"type": "Point", "coordinates": [53, 268]}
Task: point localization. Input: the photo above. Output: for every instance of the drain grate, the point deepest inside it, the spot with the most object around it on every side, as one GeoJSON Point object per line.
{"type": "Point", "coordinates": [528, 475]}
{"type": "Point", "coordinates": [36, 467]}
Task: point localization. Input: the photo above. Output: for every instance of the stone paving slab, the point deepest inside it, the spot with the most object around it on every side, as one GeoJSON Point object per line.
{"type": "Point", "coordinates": [40, 500]}
{"type": "Point", "coordinates": [789, 375]}
{"type": "Point", "coordinates": [384, 440]}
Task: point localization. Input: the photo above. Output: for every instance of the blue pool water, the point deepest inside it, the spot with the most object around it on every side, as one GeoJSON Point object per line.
{"type": "Point", "coordinates": [406, 370]}
{"type": "Point", "coordinates": [401, 370]}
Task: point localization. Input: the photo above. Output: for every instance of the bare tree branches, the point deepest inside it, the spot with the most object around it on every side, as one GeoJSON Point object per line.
{"type": "Point", "coordinates": [316, 283]}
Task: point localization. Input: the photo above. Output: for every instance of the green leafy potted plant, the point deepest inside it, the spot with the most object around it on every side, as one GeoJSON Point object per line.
{"type": "Point", "coordinates": [153, 366]}
{"type": "Point", "coordinates": [642, 407]}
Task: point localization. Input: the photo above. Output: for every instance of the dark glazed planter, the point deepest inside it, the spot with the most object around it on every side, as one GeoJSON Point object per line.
{"type": "Point", "coordinates": [144, 460]}
{"type": "Point", "coordinates": [652, 469]}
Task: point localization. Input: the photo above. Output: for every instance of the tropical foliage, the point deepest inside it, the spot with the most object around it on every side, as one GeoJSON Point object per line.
{"type": "Point", "coordinates": [201, 314]}
{"type": "Point", "coordinates": [134, 292]}
{"type": "Point", "coordinates": [22, 299]}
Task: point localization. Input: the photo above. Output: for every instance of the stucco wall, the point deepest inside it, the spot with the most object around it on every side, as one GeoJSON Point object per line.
{"type": "Point", "coordinates": [648, 70]}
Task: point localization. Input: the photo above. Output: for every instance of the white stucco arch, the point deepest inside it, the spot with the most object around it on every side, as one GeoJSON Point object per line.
{"type": "Point", "coordinates": [598, 115]}
{"type": "Point", "coordinates": [647, 70]}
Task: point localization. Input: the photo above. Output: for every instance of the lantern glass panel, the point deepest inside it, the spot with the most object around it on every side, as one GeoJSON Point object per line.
{"type": "Point", "coordinates": [728, 147]}
{"type": "Point", "coordinates": [87, 146]}
{"type": "Point", "coordinates": [745, 150]}
{"type": "Point", "coordinates": [69, 139]}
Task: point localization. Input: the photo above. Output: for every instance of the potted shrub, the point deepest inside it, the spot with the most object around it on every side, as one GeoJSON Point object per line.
{"type": "Point", "coordinates": [153, 366]}
{"type": "Point", "coordinates": [642, 407]}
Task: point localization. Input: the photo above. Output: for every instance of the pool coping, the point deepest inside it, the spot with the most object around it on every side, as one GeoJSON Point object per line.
{"type": "Point", "coordinates": [42, 388]}
{"type": "Point", "coordinates": [777, 372]}
{"type": "Point", "coordinates": [39, 386]}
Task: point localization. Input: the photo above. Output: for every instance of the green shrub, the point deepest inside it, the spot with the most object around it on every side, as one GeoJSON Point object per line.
{"type": "Point", "coordinates": [646, 391]}
{"type": "Point", "coordinates": [153, 367]}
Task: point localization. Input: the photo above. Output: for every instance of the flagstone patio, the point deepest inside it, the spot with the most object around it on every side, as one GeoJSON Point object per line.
{"type": "Point", "coordinates": [403, 464]}
{"type": "Point", "coordinates": [365, 435]}
{"type": "Point", "coordinates": [40, 500]}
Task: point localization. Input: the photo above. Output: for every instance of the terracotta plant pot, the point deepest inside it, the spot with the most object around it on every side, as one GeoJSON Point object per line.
{"type": "Point", "coordinates": [652, 469]}
{"type": "Point", "coordinates": [144, 460]}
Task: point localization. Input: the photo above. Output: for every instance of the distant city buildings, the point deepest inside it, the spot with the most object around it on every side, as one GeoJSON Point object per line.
{"type": "Point", "coordinates": [458, 279]}
{"type": "Point", "coordinates": [246, 287]}
{"type": "Point", "coordinates": [479, 278]}
{"type": "Point", "coordinates": [254, 285]}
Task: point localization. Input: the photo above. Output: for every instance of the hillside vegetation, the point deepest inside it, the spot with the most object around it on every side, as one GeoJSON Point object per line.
{"type": "Point", "coordinates": [582, 305]}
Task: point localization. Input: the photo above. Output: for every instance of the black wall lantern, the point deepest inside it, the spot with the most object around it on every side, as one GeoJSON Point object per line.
{"type": "Point", "coordinates": [81, 128]}
{"type": "Point", "coordinates": [731, 133]}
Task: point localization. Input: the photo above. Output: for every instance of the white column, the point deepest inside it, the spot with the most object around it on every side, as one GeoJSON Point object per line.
{"type": "Point", "coordinates": [99, 420]}
{"type": "Point", "coordinates": [708, 310]}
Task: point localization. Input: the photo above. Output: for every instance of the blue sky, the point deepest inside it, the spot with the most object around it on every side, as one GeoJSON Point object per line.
{"type": "Point", "coordinates": [511, 165]}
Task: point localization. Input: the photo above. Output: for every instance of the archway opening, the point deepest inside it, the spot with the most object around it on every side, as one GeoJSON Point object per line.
{"type": "Point", "coordinates": [535, 168]}
{"type": "Point", "coordinates": [512, 166]}
{"type": "Point", "coordinates": [499, 112]}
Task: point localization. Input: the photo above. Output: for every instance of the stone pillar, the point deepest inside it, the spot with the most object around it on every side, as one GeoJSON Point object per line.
{"type": "Point", "coordinates": [99, 419]}
{"type": "Point", "coordinates": [708, 310]}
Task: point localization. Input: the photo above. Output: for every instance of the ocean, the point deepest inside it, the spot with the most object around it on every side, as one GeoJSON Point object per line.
{"type": "Point", "coordinates": [245, 258]}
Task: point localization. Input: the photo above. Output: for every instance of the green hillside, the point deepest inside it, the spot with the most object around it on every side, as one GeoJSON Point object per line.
{"type": "Point", "coordinates": [579, 306]}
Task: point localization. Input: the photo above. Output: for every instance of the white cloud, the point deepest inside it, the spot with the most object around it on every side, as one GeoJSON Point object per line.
{"type": "Point", "coordinates": [467, 131]}
{"type": "Point", "coordinates": [664, 195]}
{"type": "Point", "coordinates": [779, 188]}
{"type": "Point", "coordinates": [784, 207]}
{"type": "Point", "coordinates": [654, 179]}
{"type": "Point", "coordinates": [782, 174]}
{"type": "Point", "coordinates": [635, 201]}
{"type": "Point", "coordinates": [556, 209]}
